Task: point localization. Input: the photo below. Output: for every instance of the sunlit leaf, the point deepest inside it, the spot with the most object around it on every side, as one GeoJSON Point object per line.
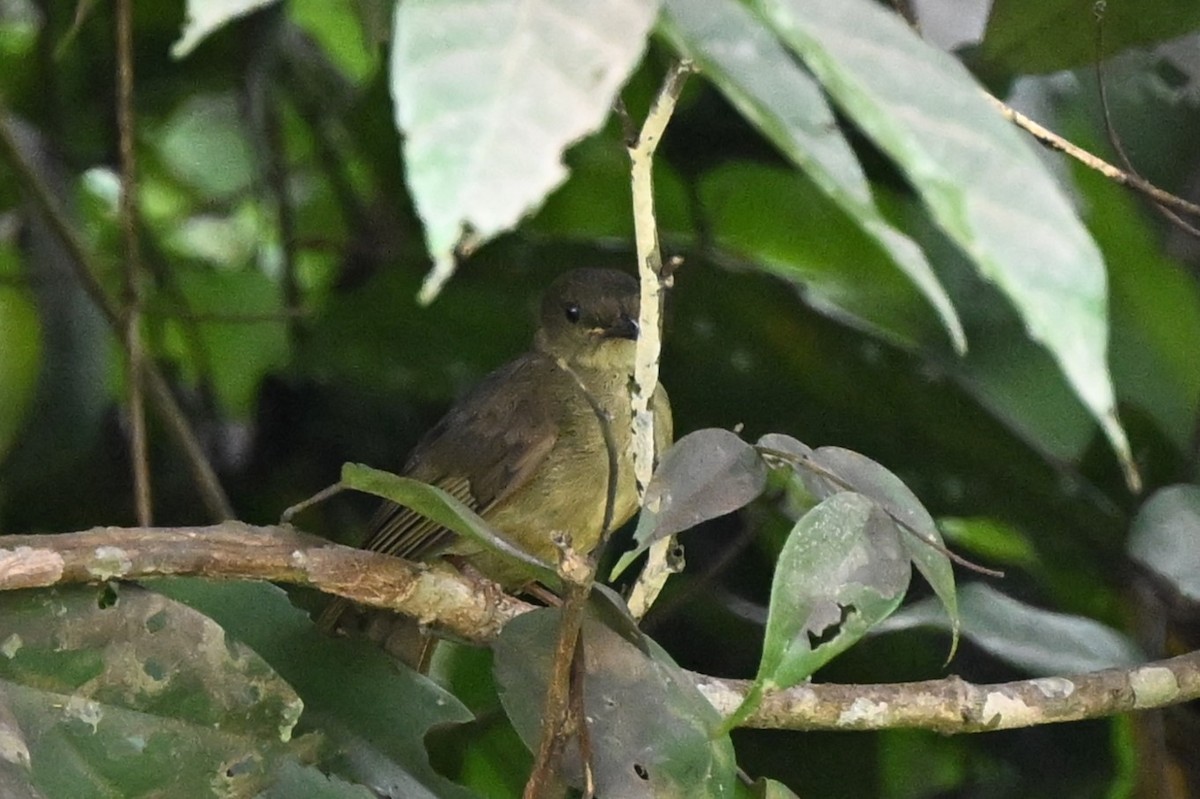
{"type": "Point", "coordinates": [705, 474]}
{"type": "Point", "coordinates": [206, 16]}
{"type": "Point", "coordinates": [980, 180]}
{"type": "Point", "coordinates": [1166, 538]}
{"type": "Point", "coordinates": [489, 93]}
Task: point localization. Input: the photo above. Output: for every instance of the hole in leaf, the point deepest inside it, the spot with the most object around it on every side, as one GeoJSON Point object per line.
{"type": "Point", "coordinates": [641, 771]}
{"type": "Point", "coordinates": [156, 621]}
{"type": "Point", "coordinates": [107, 597]}
{"type": "Point", "coordinates": [830, 631]}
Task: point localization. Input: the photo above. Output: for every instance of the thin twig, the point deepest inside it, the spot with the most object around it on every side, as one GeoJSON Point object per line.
{"type": "Point", "coordinates": [1056, 142]}
{"type": "Point", "coordinates": [1115, 140]}
{"type": "Point", "coordinates": [653, 280]}
{"type": "Point", "coordinates": [126, 125]}
{"type": "Point", "coordinates": [578, 573]}
{"type": "Point", "coordinates": [810, 464]}
{"type": "Point", "coordinates": [81, 261]}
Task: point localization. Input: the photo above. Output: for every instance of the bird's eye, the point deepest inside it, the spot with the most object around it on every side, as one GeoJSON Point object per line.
{"type": "Point", "coordinates": [572, 312]}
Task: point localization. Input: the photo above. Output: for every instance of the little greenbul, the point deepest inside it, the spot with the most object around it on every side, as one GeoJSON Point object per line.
{"type": "Point", "coordinates": [525, 449]}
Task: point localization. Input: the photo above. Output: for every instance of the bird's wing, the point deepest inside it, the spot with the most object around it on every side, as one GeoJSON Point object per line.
{"type": "Point", "coordinates": [485, 448]}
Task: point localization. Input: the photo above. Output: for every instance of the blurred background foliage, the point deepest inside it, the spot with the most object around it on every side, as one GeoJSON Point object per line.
{"type": "Point", "coordinates": [283, 256]}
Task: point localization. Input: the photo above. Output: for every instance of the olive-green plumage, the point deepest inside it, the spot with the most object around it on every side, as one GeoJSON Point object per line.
{"type": "Point", "coordinates": [525, 448]}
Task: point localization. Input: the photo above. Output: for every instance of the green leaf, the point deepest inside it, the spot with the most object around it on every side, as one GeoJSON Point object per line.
{"type": "Point", "coordinates": [653, 734]}
{"type": "Point", "coordinates": [706, 474]}
{"type": "Point", "coordinates": [750, 67]}
{"type": "Point", "coordinates": [838, 469]}
{"type": "Point", "coordinates": [206, 16]}
{"type": "Point", "coordinates": [1166, 538]}
{"type": "Point", "coordinates": [353, 693]}
{"type": "Point", "coordinates": [203, 144]}
{"type": "Point", "coordinates": [20, 361]}
{"type": "Point", "coordinates": [489, 93]}
{"type": "Point", "coordinates": [779, 220]}
{"type": "Point", "coordinates": [1049, 35]}
{"type": "Point", "coordinates": [435, 504]}
{"type": "Point", "coordinates": [1038, 641]}
{"type": "Point", "coordinates": [842, 570]}
{"type": "Point", "coordinates": [138, 697]}
{"type": "Point", "coordinates": [232, 357]}
{"type": "Point", "coordinates": [295, 781]}
{"type": "Point", "coordinates": [980, 180]}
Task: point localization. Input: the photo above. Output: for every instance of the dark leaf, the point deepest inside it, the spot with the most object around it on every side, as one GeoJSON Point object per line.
{"type": "Point", "coordinates": [706, 474]}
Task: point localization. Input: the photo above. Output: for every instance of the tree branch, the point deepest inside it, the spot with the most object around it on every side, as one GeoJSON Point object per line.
{"type": "Point", "coordinates": [461, 605]}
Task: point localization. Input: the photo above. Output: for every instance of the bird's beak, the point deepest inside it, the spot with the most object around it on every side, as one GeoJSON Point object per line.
{"type": "Point", "coordinates": [627, 327]}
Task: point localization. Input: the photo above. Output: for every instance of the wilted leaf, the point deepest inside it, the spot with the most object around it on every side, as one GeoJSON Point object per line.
{"type": "Point", "coordinates": [705, 474]}
{"type": "Point", "coordinates": [843, 469]}
{"type": "Point", "coordinates": [488, 94]}
{"type": "Point", "coordinates": [435, 504]}
{"type": "Point", "coordinates": [980, 180]}
{"type": "Point", "coordinates": [1039, 641]}
{"type": "Point", "coordinates": [841, 571]}
{"type": "Point", "coordinates": [652, 733]}
{"type": "Point", "coordinates": [749, 65]}
{"type": "Point", "coordinates": [1166, 538]}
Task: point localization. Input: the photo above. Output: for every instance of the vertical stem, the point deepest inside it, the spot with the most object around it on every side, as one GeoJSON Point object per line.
{"type": "Point", "coordinates": [131, 298]}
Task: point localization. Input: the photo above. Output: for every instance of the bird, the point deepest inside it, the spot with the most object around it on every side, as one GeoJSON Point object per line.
{"type": "Point", "coordinates": [525, 449]}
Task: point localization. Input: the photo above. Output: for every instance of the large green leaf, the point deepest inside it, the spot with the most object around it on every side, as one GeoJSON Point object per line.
{"type": "Point", "coordinates": [376, 714]}
{"type": "Point", "coordinates": [652, 733]}
{"type": "Point", "coordinates": [837, 469]}
{"type": "Point", "coordinates": [783, 223]}
{"type": "Point", "coordinates": [489, 93]}
{"type": "Point", "coordinates": [842, 571]}
{"type": "Point", "coordinates": [749, 65]}
{"type": "Point", "coordinates": [981, 181]}
{"type": "Point", "coordinates": [1048, 35]}
{"type": "Point", "coordinates": [138, 697]}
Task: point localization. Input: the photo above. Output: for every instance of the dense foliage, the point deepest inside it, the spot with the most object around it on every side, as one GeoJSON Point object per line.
{"type": "Point", "coordinates": [874, 261]}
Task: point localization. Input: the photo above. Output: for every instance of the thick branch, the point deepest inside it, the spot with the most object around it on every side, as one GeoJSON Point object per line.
{"type": "Point", "coordinates": [236, 551]}
{"type": "Point", "coordinates": [460, 605]}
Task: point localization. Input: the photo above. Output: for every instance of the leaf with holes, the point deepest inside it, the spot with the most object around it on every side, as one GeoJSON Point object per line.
{"type": "Point", "coordinates": [652, 733]}
{"type": "Point", "coordinates": [706, 474]}
{"type": "Point", "coordinates": [842, 570]}
{"type": "Point", "coordinates": [833, 469]}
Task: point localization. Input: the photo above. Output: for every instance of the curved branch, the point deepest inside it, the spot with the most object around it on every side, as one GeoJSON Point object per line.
{"type": "Point", "coordinates": [476, 611]}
